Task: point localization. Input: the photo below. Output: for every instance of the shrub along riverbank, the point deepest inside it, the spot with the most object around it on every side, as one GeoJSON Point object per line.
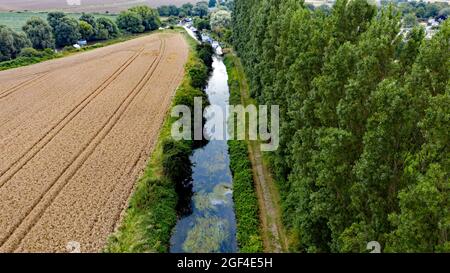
{"type": "Point", "coordinates": [162, 192]}
{"type": "Point", "coordinates": [245, 200]}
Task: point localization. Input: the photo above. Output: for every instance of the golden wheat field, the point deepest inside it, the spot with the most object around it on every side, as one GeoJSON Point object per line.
{"type": "Point", "coordinates": [75, 134]}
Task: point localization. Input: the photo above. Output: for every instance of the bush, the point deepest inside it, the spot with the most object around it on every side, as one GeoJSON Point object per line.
{"type": "Point", "coordinates": [156, 200]}
{"type": "Point", "coordinates": [175, 161]}
{"type": "Point", "coordinates": [205, 53]}
{"type": "Point", "coordinates": [199, 75]}
{"type": "Point", "coordinates": [246, 202]}
{"type": "Point", "coordinates": [31, 52]}
{"type": "Point", "coordinates": [245, 199]}
{"type": "Point", "coordinates": [202, 24]}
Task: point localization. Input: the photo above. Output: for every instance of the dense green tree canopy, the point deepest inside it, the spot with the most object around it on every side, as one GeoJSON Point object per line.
{"type": "Point", "coordinates": [202, 23]}
{"type": "Point", "coordinates": [201, 9]}
{"type": "Point", "coordinates": [11, 43]}
{"type": "Point", "coordinates": [87, 32]}
{"type": "Point", "coordinates": [40, 33]}
{"type": "Point", "coordinates": [54, 18]}
{"type": "Point", "coordinates": [364, 139]}
{"type": "Point", "coordinates": [212, 3]}
{"type": "Point", "coordinates": [66, 31]}
{"type": "Point", "coordinates": [150, 18]}
{"type": "Point", "coordinates": [220, 19]}
{"type": "Point", "coordinates": [130, 21]}
{"type": "Point", "coordinates": [187, 9]}
{"type": "Point", "coordinates": [106, 29]}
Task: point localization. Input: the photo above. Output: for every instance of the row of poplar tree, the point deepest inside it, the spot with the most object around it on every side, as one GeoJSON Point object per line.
{"type": "Point", "coordinates": [365, 121]}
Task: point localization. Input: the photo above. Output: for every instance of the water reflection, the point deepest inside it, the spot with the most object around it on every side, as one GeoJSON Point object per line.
{"type": "Point", "coordinates": [212, 225]}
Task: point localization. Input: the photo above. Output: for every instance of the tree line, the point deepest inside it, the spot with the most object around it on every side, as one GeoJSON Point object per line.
{"type": "Point", "coordinates": [188, 9]}
{"type": "Point", "coordinates": [60, 30]}
{"type": "Point", "coordinates": [423, 10]}
{"type": "Point", "coordinates": [365, 118]}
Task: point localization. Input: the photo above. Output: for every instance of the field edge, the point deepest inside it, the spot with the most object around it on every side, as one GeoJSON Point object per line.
{"type": "Point", "coordinates": [151, 215]}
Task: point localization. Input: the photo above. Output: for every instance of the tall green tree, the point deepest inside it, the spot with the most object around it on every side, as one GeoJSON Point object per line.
{"type": "Point", "coordinates": [201, 9]}
{"type": "Point", "coordinates": [106, 29]}
{"type": "Point", "coordinates": [130, 21]}
{"type": "Point", "coordinates": [187, 8]}
{"type": "Point", "coordinates": [150, 17]}
{"type": "Point", "coordinates": [359, 103]}
{"type": "Point", "coordinates": [92, 21]}
{"type": "Point", "coordinates": [87, 32]}
{"type": "Point", "coordinates": [39, 33]}
{"type": "Point", "coordinates": [11, 43]}
{"type": "Point", "coordinates": [66, 31]}
{"type": "Point", "coordinates": [53, 18]}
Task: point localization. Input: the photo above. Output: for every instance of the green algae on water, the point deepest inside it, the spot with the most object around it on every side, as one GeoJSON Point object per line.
{"type": "Point", "coordinates": [206, 236]}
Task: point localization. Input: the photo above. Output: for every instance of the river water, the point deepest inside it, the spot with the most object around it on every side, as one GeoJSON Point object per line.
{"type": "Point", "coordinates": [211, 228]}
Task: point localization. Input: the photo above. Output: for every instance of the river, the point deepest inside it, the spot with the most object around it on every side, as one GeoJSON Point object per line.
{"type": "Point", "coordinates": [211, 228]}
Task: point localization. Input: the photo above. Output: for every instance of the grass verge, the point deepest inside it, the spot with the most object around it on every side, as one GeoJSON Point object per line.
{"type": "Point", "coordinates": [268, 220]}
{"type": "Point", "coordinates": [152, 212]}
{"type": "Point", "coordinates": [245, 199]}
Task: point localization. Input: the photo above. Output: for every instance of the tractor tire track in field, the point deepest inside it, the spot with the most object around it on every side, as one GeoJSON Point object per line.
{"type": "Point", "coordinates": [16, 234]}
{"type": "Point", "coordinates": [78, 161]}
{"type": "Point", "coordinates": [42, 142]}
{"type": "Point", "coordinates": [16, 88]}
{"type": "Point", "coordinates": [38, 102]}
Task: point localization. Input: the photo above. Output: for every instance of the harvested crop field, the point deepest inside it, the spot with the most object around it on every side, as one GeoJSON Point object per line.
{"type": "Point", "coordinates": [75, 134]}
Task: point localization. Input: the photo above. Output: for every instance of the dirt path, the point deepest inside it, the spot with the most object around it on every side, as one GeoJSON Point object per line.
{"type": "Point", "coordinates": [274, 238]}
{"type": "Point", "coordinates": [273, 233]}
{"type": "Point", "coordinates": [75, 133]}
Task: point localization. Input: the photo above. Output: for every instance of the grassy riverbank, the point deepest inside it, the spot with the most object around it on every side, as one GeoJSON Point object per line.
{"type": "Point", "coordinates": [152, 211]}
{"type": "Point", "coordinates": [245, 199]}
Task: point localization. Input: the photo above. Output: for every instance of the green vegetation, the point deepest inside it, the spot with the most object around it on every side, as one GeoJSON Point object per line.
{"type": "Point", "coordinates": [106, 29]}
{"type": "Point", "coordinates": [11, 43]}
{"type": "Point", "coordinates": [205, 53]}
{"type": "Point", "coordinates": [130, 21]}
{"type": "Point", "coordinates": [152, 211]}
{"type": "Point", "coordinates": [138, 20]}
{"type": "Point", "coordinates": [221, 23]}
{"type": "Point", "coordinates": [246, 202]}
{"type": "Point", "coordinates": [39, 33]}
{"type": "Point", "coordinates": [202, 24]}
{"type": "Point", "coordinates": [150, 17]}
{"type": "Point", "coordinates": [423, 10]}
{"type": "Point", "coordinates": [364, 152]}
{"type": "Point", "coordinates": [63, 30]}
{"type": "Point", "coordinates": [66, 30]}
{"type": "Point", "coordinates": [16, 20]}
{"type": "Point", "coordinates": [28, 56]}
{"type": "Point", "coordinates": [199, 9]}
